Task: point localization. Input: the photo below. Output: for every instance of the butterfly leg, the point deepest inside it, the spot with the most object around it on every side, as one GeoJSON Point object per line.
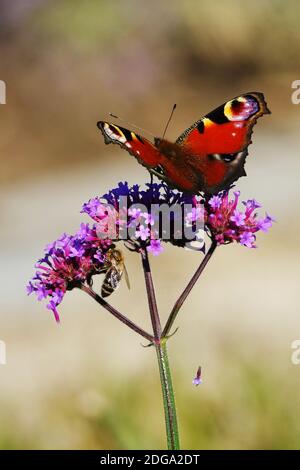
{"type": "Point", "coordinates": [158, 174]}
{"type": "Point", "coordinates": [164, 179]}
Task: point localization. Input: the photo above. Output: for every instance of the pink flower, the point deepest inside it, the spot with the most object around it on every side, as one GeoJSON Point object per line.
{"type": "Point", "coordinates": [238, 217]}
{"type": "Point", "coordinates": [142, 232]}
{"type": "Point", "coordinates": [68, 262]}
{"type": "Point", "coordinates": [226, 223]}
{"type": "Point", "coordinates": [155, 247]}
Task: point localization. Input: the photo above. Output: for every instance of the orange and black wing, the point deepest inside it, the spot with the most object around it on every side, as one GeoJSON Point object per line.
{"type": "Point", "coordinates": [142, 149]}
{"type": "Point", "coordinates": [216, 146]}
{"type": "Point", "coordinates": [228, 128]}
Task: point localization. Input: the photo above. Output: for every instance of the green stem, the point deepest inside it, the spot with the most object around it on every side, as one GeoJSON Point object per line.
{"type": "Point", "coordinates": [168, 396]}
{"type": "Point", "coordinates": [162, 358]}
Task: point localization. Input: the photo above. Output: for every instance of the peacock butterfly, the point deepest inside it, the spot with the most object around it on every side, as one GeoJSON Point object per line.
{"type": "Point", "coordinates": [208, 156]}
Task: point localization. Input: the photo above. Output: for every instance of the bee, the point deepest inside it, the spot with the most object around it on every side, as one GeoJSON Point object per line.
{"type": "Point", "coordinates": [114, 269]}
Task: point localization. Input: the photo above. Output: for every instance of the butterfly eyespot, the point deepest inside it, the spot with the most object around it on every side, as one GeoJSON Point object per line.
{"type": "Point", "coordinates": [242, 108]}
{"type": "Point", "coordinates": [214, 156]}
{"type": "Point", "coordinates": [126, 134]}
{"type": "Point", "coordinates": [236, 103]}
{"type": "Point", "coordinates": [159, 169]}
{"type": "Point", "coordinates": [114, 132]}
{"type": "Point", "coordinates": [114, 129]}
{"type": "Point", "coordinates": [225, 157]}
{"type": "Point", "coordinates": [228, 157]}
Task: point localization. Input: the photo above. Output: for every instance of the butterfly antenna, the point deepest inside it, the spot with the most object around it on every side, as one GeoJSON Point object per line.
{"type": "Point", "coordinates": [169, 120]}
{"type": "Point", "coordinates": [131, 124]}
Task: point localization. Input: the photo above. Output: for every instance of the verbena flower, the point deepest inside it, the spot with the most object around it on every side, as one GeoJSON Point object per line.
{"type": "Point", "coordinates": [224, 221]}
{"type": "Point", "coordinates": [155, 247]}
{"type": "Point", "coordinates": [227, 223]}
{"type": "Point", "coordinates": [131, 213]}
{"type": "Point", "coordinates": [126, 214]}
{"type": "Point", "coordinates": [68, 262]}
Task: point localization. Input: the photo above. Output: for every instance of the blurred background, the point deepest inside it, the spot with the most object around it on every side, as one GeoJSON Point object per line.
{"type": "Point", "coordinates": [88, 383]}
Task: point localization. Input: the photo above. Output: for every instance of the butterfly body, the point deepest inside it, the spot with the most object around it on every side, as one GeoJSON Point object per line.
{"type": "Point", "coordinates": [208, 157]}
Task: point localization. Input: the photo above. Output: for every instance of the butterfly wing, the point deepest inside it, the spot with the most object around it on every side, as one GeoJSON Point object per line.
{"type": "Point", "coordinates": [142, 149]}
{"type": "Point", "coordinates": [209, 156]}
{"type": "Point", "coordinates": [228, 128]}
{"type": "Point", "coordinates": [216, 145]}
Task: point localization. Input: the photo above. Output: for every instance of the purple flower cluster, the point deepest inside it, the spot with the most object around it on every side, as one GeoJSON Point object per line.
{"type": "Point", "coordinates": [68, 262]}
{"type": "Point", "coordinates": [73, 260]}
{"type": "Point", "coordinates": [227, 223]}
{"type": "Point", "coordinates": [126, 212]}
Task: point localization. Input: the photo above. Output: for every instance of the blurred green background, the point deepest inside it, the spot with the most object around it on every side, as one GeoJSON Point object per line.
{"type": "Point", "coordinates": [88, 383]}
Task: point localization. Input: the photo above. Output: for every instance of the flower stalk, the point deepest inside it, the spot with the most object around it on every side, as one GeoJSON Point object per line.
{"type": "Point", "coordinates": [162, 359]}
{"type": "Point", "coordinates": [116, 313]}
{"type": "Point", "coordinates": [151, 296]}
{"type": "Point", "coordinates": [168, 396]}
